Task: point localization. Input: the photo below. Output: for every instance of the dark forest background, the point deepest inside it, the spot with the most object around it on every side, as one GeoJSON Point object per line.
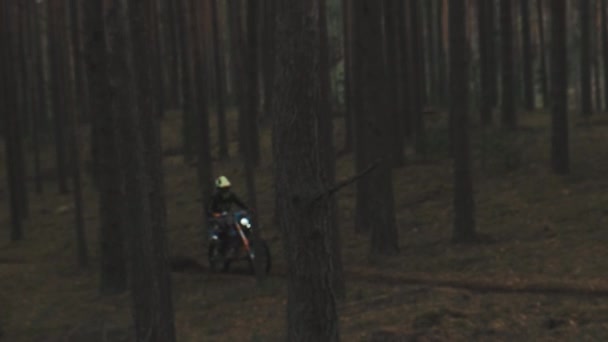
{"type": "Point", "coordinates": [422, 170]}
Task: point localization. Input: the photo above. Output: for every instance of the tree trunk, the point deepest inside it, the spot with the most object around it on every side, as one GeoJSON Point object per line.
{"type": "Point", "coordinates": [605, 49]}
{"type": "Point", "coordinates": [23, 105]}
{"type": "Point", "coordinates": [204, 165]}
{"type": "Point", "coordinates": [486, 43]}
{"type": "Point", "coordinates": [509, 116]}
{"type": "Point", "coordinates": [464, 204]}
{"type": "Point", "coordinates": [250, 131]}
{"type": "Point", "coordinates": [301, 173]}
{"type": "Point", "coordinates": [326, 129]}
{"type": "Point", "coordinates": [73, 107]}
{"type": "Point", "coordinates": [528, 60]}
{"type": "Point", "coordinates": [113, 272]}
{"type": "Point", "coordinates": [268, 27]}
{"type": "Point", "coordinates": [220, 77]}
{"type": "Point", "coordinates": [404, 122]}
{"type": "Point", "coordinates": [39, 92]}
{"type": "Point", "coordinates": [585, 61]}
{"type": "Point", "coordinates": [542, 54]}
{"type": "Point", "coordinates": [187, 78]}
{"type": "Point", "coordinates": [560, 159]}
{"type": "Point", "coordinates": [418, 75]}
{"type": "Point", "coordinates": [9, 117]}
{"type": "Point", "coordinates": [348, 71]}
{"type": "Point", "coordinates": [57, 71]}
{"type": "Point", "coordinates": [128, 40]}
{"type": "Point", "coordinates": [393, 96]}
{"type": "Point", "coordinates": [375, 201]}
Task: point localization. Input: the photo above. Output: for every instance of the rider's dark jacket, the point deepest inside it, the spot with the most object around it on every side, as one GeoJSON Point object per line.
{"type": "Point", "coordinates": [222, 201]}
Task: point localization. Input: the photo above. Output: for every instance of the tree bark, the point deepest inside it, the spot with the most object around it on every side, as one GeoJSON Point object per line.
{"type": "Point", "coordinates": [509, 116]}
{"type": "Point", "coordinates": [301, 173]}
{"type": "Point", "coordinates": [250, 131]}
{"type": "Point", "coordinates": [419, 78]}
{"type": "Point", "coordinates": [528, 60]}
{"type": "Point", "coordinates": [204, 165]}
{"type": "Point", "coordinates": [486, 43]}
{"type": "Point", "coordinates": [542, 55]}
{"type": "Point", "coordinates": [113, 272]}
{"type": "Point", "coordinates": [220, 77]}
{"type": "Point", "coordinates": [464, 204]}
{"type": "Point", "coordinates": [560, 156]}
{"type": "Point", "coordinates": [585, 61]}
{"type": "Point", "coordinates": [348, 71]}
{"type": "Point", "coordinates": [375, 201]}
{"type": "Point", "coordinates": [326, 129]}
{"type": "Point", "coordinates": [128, 36]}
{"type": "Point", "coordinates": [395, 111]}
{"type": "Point", "coordinates": [605, 50]}
{"type": "Point", "coordinates": [9, 116]}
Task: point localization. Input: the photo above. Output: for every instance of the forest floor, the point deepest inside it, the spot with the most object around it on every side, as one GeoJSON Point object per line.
{"type": "Point", "coordinates": [540, 273]}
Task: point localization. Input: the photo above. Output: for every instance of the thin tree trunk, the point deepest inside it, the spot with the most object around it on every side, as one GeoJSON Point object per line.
{"type": "Point", "coordinates": [486, 43]}
{"type": "Point", "coordinates": [73, 107]}
{"type": "Point", "coordinates": [38, 92]}
{"type": "Point", "coordinates": [220, 77]}
{"type": "Point", "coordinates": [585, 61]}
{"type": "Point", "coordinates": [204, 165]}
{"type": "Point", "coordinates": [560, 159]}
{"type": "Point", "coordinates": [542, 54]}
{"type": "Point", "coordinates": [509, 116]}
{"type": "Point", "coordinates": [188, 97]}
{"type": "Point", "coordinates": [393, 105]}
{"type": "Point", "coordinates": [348, 96]}
{"type": "Point", "coordinates": [57, 69]}
{"type": "Point", "coordinates": [326, 129]}
{"type": "Point", "coordinates": [605, 49]}
{"type": "Point", "coordinates": [418, 75]}
{"type": "Point", "coordinates": [253, 90]}
{"type": "Point", "coordinates": [464, 204]}
{"type": "Point", "coordinates": [9, 116]}
{"type": "Point", "coordinates": [528, 60]}
{"type": "Point", "coordinates": [404, 122]}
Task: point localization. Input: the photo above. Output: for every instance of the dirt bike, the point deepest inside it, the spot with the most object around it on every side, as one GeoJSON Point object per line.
{"type": "Point", "coordinates": [238, 241]}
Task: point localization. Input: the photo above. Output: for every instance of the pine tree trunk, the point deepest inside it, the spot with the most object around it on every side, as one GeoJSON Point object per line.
{"type": "Point", "coordinates": [348, 71]}
{"type": "Point", "coordinates": [326, 129]}
{"type": "Point", "coordinates": [528, 60]}
{"type": "Point", "coordinates": [128, 38]}
{"type": "Point", "coordinates": [486, 43]}
{"type": "Point", "coordinates": [605, 50]}
{"type": "Point", "coordinates": [559, 56]}
{"type": "Point", "coordinates": [57, 71]}
{"type": "Point", "coordinates": [464, 206]}
{"type": "Point", "coordinates": [393, 96]}
{"type": "Point", "coordinates": [585, 61]}
{"type": "Point", "coordinates": [9, 125]}
{"type": "Point", "coordinates": [509, 116]}
{"type": "Point", "coordinates": [300, 174]}
{"type": "Point", "coordinates": [220, 77]}
{"type": "Point", "coordinates": [418, 75]}
{"type": "Point", "coordinates": [542, 54]}
{"type": "Point", "coordinates": [250, 131]}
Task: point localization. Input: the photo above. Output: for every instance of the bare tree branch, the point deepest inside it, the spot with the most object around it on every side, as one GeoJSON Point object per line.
{"type": "Point", "coordinates": [338, 186]}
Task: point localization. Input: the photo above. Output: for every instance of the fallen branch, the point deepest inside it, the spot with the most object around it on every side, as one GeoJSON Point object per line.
{"type": "Point", "coordinates": [342, 184]}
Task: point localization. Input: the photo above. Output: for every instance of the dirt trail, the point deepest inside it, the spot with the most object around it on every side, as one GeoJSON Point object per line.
{"type": "Point", "coordinates": [537, 285]}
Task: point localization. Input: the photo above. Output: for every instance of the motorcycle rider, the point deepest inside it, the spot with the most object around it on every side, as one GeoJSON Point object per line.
{"type": "Point", "coordinates": [221, 203]}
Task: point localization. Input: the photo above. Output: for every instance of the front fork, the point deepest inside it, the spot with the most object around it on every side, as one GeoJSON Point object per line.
{"type": "Point", "coordinates": [245, 241]}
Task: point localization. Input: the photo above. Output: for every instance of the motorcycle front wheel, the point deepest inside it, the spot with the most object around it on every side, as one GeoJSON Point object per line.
{"type": "Point", "coordinates": [261, 256]}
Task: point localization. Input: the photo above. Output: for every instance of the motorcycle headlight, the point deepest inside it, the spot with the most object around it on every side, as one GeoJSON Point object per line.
{"type": "Point", "coordinates": [245, 222]}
